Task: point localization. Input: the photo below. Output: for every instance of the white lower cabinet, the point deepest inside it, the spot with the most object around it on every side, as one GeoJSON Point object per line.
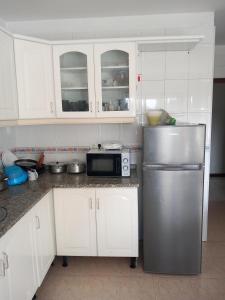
{"type": "Point", "coordinates": [91, 222]}
{"type": "Point", "coordinates": [44, 235]}
{"type": "Point", "coordinates": [26, 252]}
{"type": "Point", "coordinates": [117, 222]}
{"type": "Point", "coordinates": [4, 290]}
{"type": "Point", "coordinates": [75, 221]}
{"type": "Point", "coordinates": [19, 260]}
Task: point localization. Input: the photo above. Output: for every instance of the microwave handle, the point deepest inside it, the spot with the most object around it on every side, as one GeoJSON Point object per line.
{"type": "Point", "coordinates": [118, 166]}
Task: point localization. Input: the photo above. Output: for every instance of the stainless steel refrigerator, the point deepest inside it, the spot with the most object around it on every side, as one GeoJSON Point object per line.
{"type": "Point", "coordinates": [173, 173]}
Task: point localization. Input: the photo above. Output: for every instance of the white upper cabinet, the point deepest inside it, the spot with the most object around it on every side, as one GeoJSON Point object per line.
{"type": "Point", "coordinates": [74, 80]}
{"type": "Point", "coordinates": [115, 79]}
{"type": "Point", "coordinates": [8, 94]}
{"type": "Point", "coordinates": [34, 80]}
{"type": "Point", "coordinates": [95, 80]}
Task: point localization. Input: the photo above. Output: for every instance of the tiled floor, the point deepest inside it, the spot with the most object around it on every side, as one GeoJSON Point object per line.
{"type": "Point", "coordinates": [112, 279]}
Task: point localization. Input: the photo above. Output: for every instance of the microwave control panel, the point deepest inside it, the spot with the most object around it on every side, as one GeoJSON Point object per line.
{"type": "Point", "coordinates": [125, 163]}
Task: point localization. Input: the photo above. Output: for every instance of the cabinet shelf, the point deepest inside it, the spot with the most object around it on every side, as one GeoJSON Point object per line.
{"type": "Point", "coordinates": [73, 68]}
{"type": "Point", "coordinates": [115, 67]}
{"type": "Point", "coordinates": [74, 88]}
{"type": "Point", "coordinates": [115, 87]}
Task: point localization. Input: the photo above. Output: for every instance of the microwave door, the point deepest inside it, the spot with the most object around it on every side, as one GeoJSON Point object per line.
{"type": "Point", "coordinates": [103, 165]}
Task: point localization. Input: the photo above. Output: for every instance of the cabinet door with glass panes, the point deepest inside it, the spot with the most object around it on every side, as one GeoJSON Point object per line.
{"type": "Point", "coordinates": [74, 81]}
{"type": "Point", "coordinates": [115, 79]}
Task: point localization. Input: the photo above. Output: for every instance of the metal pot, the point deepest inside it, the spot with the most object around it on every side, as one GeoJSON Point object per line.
{"type": "Point", "coordinates": [57, 167]}
{"type": "Point", "coordinates": [3, 182]}
{"type": "Point", "coordinates": [75, 167]}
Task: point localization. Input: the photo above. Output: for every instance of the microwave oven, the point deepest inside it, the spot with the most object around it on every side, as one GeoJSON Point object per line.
{"type": "Point", "coordinates": [108, 163]}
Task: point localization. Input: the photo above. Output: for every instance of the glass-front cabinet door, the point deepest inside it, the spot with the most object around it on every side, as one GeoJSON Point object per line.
{"type": "Point", "coordinates": [74, 80]}
{"type": "Point", "coordinates": [115, 79]}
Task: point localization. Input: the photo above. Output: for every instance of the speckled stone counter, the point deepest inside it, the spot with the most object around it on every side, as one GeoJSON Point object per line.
{"type": "Point", "coordinates": [18, 200]}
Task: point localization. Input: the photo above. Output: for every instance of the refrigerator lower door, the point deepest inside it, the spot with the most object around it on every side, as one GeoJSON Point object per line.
{"type": "Point", "coordinates": [172, 220]}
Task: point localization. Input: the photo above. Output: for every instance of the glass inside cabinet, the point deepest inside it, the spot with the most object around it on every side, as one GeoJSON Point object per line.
{"type": "Point", "coordinates": [74, 82]}
{"type": "Point", "coordinates": [115, 80]}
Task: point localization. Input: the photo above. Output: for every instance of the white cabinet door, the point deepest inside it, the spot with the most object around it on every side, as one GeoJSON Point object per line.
{"type": "Point", "coordinates": [43, 214]}
{"type": "Point", "coordinates": [117, 222]}
{"type": "Point", "coordinates": [34, 79]}
{"type": "Point", "coordinates": [8, 94]}
{"type": "Point", "coordinates": [21, 271]}
{"type": "Point", "coordinates": [115, 79]}
{"type": "Point", "coordinates": [74, 81]}
{"type": "Point", "coordinates": [75, 221]}
{"type": "Point", "coordinates": [4, 290]}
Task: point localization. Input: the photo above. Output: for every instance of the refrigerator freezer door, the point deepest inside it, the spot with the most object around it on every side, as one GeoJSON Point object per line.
{"type": "Point", "coordinates": [172, 221]}
{"type": "Point", "coordinates": [174, 144]}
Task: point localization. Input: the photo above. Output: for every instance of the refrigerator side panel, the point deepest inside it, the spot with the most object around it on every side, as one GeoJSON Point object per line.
{"type": "Point", "coordinates": [172, 211]}
{"type": "Point", "coordinates": [174, 145]}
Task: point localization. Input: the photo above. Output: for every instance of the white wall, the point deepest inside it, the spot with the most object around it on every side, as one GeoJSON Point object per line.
{"type": "Point", "coordinates": [219, 70]}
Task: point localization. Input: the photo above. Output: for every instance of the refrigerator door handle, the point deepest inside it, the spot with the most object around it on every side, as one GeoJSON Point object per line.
{"type": "Point", "coordinates": [174, 167]}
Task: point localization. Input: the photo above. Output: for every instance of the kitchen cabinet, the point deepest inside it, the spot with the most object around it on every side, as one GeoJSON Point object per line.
{"type": "Point", "coordinates": [74, 80]}
{"type": "Point", "coordinates": [75, 221]}
{"type": "Point", "coordinates": [8, 93]}
{"type": "Point", "coordinates": [4, 291]}
{"type": "Point", "coordinates": [106, 215]}
{"type": "Point", "coordinates": [19, 259]}
{"type": "Point", "coordinates": [34, 79]}
{"type": "Point", "coordinates": [44, 235]}
{"type": "Point", "coordinates": [95, 80]}
{"type": "Point", "coordinates": [27, 251]}
{"type": "Point", "coordinates": [115, 80]}
{"type": "Point", "coordinates": [117, 219]}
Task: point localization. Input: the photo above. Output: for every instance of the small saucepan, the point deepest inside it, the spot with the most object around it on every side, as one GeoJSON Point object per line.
{"type": "Point", "coordinates": [57, 167]}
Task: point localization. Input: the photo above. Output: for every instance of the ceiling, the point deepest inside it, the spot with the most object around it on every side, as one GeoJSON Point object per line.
{"type": "Point", "coordinates": [23, 10]}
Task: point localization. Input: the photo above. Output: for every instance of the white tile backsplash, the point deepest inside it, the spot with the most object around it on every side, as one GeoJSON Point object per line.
{"type": "Point", "coordinates": [176, 96]}
{"type": "Point", "coordinates": [153, 94]}
{"type": "Point", "coordinates": [200, 95]}
{"type": "Point", "coordinates": [201, 61]}
{"type": "Point", "coordinates": [153, 65]}
{"type": "Point", "coordinates": [177, 65]}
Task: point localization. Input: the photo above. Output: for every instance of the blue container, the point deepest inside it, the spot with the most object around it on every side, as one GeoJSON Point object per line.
{"type": "Point", "coordinates": [16, 175]}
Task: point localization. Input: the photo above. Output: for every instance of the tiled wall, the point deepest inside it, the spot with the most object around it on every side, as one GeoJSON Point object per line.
{"type": "Point", "coordinates": [180, 82]}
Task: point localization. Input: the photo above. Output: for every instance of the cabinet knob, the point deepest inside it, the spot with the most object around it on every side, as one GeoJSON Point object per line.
{"type": "Point", "coordinates": [2, 268]}
{"type": "Point", "coordinates": [90, 203]}
{"type": "Point", "coordinates": [51, 107]}
{"type": "Point", "coordinates": [98, 206]}
{"type": "Point", "coordinates": [5, 260]}
{"type": "Point", "coordinates": [37, 220]}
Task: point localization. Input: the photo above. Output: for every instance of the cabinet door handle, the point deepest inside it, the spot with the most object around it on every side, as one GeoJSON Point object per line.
{"type": "Point", "coordinates": [5, 260]}
{"type": "Point", "coordinates": [37, 220]}
{"type": "Point", "coordinates": [98, 206]}
{"type": "Point", "coordinates": [90, 203]}
{"type": "Point", "coordinates": [2, 268]}
{"type": "Point", "coordinates": [51, 107]}
{"type": "Point", "coordinates": [97, 104]}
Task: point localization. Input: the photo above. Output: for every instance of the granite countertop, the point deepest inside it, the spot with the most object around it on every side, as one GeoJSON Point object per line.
{"type": "Point", "coordinates": [18, 200]}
